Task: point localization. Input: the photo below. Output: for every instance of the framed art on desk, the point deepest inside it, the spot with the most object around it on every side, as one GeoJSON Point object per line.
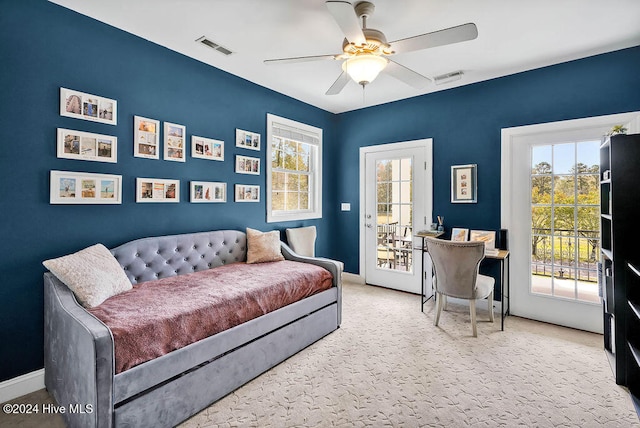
{"type": "Point", "coordinates": [489, 239]}
{"type": "Point", "coordinates": [459, 234]}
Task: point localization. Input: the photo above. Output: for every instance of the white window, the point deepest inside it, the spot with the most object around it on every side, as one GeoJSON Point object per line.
{"type": "Point", "coordinates": [294, 170]}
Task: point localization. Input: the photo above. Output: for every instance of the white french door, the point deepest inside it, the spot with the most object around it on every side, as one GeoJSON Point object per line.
{"type": "Point", "coordinates": [395, 203]}
{"type": "Point", "coordinates": [549, 176]}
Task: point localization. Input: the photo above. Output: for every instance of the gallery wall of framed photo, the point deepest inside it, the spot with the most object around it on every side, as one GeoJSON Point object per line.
{"type": "Point", "coordinates": [150, 138]}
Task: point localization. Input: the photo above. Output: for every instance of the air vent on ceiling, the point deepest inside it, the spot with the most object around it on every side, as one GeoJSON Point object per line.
{"type": "Point", "coordinates": [448, 78]}
{"type": "Point", "coordinates": [205, 41]}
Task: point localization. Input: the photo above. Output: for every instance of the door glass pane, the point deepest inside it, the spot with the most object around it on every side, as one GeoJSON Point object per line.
{"type": "Point", "coordinates": [588, 155]}
{"type": "Point", "coordinates": [541, 189]}
{"type": "Point", "coordinates": [541, 160]}
{"type": "Point", "coordinates": [394, 217]}
{"type": "Point", "coordinates": [564, 189]}
{"type": "Point", "coordinates": [563, 158]}
{"type": "Point", "coordinates": [565, 231]}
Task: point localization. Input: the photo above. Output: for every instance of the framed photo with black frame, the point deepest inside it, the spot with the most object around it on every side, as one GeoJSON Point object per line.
{"type": "Point", "coordinates": [464, 184]}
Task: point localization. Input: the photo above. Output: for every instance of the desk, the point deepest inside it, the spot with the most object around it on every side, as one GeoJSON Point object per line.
{"type": "Point", "coordinates": [502, 257]}
{"type": "Point", "coordinates": [422, 249]}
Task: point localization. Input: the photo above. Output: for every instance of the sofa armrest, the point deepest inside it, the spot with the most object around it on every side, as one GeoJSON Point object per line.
{"type": "Point", "coordinates": [78, 357]}
{"type": "Point", "coordinates": [333, 266]}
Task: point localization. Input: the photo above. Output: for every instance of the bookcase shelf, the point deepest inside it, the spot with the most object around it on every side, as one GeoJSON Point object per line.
{"type": "Point", "coordinates": [620, 258]}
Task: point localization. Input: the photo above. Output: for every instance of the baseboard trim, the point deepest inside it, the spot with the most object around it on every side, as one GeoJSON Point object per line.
{"type": "Point", "coordinates": [21, 385]}
{"type": "Point", "coordinates": [352, 277]}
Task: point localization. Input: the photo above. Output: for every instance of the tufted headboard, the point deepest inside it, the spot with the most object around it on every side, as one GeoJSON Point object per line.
{"type": "Point", "coordinates": [147, 259]}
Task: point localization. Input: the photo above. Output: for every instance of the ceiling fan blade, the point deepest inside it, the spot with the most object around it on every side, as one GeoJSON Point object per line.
{"type": "Point", "coordinates": [339, 84]}
{"type": "Point", "coordinates": [461, 33]}
{"type": "Point", "coordinates": [406, 75]}
{"type": "Point", "coordinates": [347, 20]}
{"type": "Point", "coordinates": [300, 59]}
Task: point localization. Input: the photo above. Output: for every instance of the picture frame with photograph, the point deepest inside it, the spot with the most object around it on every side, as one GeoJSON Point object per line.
{"type": "Point", "coordinates": [464, 184]}
{"type": "Point", "coordinates": [247, 193]}
{"type": "Point", "coordinates": [81, 105]}
{"type": "Point", "coordinates": [486, 236]}
{"type": "Point", "coordinates": [87, 146]}
{"type": "Point", "coordinates": [146, 138]}
{"type": "Point", "coordinates": [207, 148]}
{"type": "Point", "coordinates": [247, 140]}
{"type": "Point", "coordinates": [208, 191]}
{"type": "Point", "coordinates": [459, 234]}
{"type": "Point", "coordinates": [247, 165]}
{"type": "Point", "coordinates": [157, 190]}
{"type": "Point", "coordinates": [174, 142]}
{"type": "Point", "coordinates": [67, 187]}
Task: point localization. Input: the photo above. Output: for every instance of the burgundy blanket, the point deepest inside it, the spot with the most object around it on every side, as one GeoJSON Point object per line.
{"type": "Point", "coordinates": [157, 317]}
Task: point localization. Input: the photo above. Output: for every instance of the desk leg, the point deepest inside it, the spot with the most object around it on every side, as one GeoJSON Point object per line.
{"type": "Point", "coordinates": [422, 274]}
{"type": "Point", "coordinates": [504, 276]}
{"type": "Point", "coordinates": [502, 295]}
{"type": "Point", "coordinates": [508, 278]}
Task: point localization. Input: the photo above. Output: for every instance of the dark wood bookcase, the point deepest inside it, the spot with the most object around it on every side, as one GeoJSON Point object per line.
{"type": "Point", "coordinates": [620, 248]}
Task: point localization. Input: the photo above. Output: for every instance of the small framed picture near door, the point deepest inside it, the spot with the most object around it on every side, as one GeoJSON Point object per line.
{"type": "Point", "coordinates": [464, 184]}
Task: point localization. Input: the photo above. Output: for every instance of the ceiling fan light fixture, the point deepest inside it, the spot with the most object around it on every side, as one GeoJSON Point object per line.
{"type": "Point", "coordinates": [363, 69]}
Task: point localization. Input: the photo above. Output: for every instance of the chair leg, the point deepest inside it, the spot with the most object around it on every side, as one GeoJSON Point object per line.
{"type": "Point", "coordinates": [490, 303]}
{"type": "Point", "coordinates": [444, 302]}
{"type": "Point", "coordinates": [439, 298]}
{"type": "Point", "coordinates": [472, 309]}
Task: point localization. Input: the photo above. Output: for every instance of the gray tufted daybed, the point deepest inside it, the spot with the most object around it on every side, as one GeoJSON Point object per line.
{"type": "Point", "coordinates": [79, 348]}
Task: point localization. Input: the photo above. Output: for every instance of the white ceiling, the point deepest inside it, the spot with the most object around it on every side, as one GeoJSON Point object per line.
{"type": "Point", "coordinates": [513, 36]}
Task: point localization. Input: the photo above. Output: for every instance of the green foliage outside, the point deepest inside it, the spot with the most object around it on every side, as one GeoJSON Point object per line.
{"type": "Point", "coordinates": [290, 161]}
{"type": "Point", "coordinates": [575, 213]}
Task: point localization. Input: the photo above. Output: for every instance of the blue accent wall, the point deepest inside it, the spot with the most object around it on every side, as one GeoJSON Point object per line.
{"type": "Point", "coordinates": [465, 124]}
{"type": "Point", "coordinates": [44, 47]}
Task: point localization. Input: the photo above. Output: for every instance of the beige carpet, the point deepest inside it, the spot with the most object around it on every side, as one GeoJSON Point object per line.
{"type": "Point", "coordinates": [389, 366]}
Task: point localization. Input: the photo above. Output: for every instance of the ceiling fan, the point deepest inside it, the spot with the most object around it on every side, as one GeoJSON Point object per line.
{"type": "Point", "coordinates": [366, 52]}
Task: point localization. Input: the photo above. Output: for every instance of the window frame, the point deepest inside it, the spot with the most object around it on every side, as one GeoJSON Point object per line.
{"type": "Point", "coordinates": [315, 176]}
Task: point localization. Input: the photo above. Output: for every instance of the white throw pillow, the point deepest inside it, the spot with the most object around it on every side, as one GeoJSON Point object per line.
{"type": "Point", "coordinates": [263, 246]}
{"type": "Point", "coordinates": [93, 274]}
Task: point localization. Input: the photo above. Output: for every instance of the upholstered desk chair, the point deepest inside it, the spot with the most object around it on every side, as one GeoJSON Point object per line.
{"type": "Point", "coordinates": [455, 266]}
{"type": "Point", "coordinates": [302, 240]}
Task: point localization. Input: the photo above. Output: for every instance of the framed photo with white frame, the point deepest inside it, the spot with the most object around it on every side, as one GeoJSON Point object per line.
{"type": "Point", "coordinates": [87, 146]}
{"type": "Point", "coordinates": [459, 234]}
{"type": "Point", "coordinates": [157, 190]}
{"type": "Point", "coordinates": [146, 138]}
{"type": "Point", "coordinates": [464, 186]}
{"type": "Point", "coordinates": [208, 191]}
{"type": "Point", "coordinates": [486, 236]}
{"type": "Point", "coordinates": [174, 138]}
{"type": "Point", "coordinates": [247, 140]}
{"type": "Point", "coordinates": [206, 148]}
{"type": "Point", "coordinates": [247, 165]}
{"type": "Point", "coordinates": [88, 107]}
{"type": "Point", "coordinates": [247, 193]}
{"type": "Point", "coordinates": [85, 188]}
